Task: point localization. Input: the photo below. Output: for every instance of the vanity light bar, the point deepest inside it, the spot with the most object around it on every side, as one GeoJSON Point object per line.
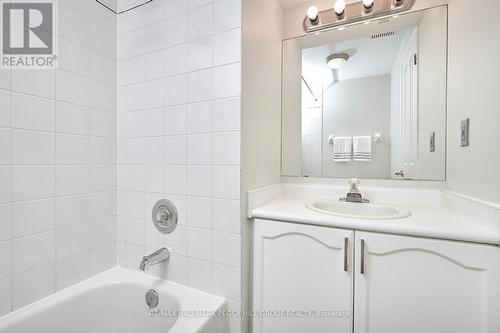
{"type": "Point", "coordinates": [343, 14]}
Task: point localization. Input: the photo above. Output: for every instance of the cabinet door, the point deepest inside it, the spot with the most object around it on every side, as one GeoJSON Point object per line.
{"type": "Point", "coordinates": [302, 268]}
{"type": "Point", "coordinates": [416, 285]}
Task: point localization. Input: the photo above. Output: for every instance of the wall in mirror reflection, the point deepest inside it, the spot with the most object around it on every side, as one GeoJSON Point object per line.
{"type": "Point", "coordinates": [381, 114]}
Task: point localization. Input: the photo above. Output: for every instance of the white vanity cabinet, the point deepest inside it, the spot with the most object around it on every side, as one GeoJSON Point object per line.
{"type": "Point", "coordinates": [302, 268]}
{"type": "Point", "coordinates": [415, 285]}
{"type": "Point", "coordinates": [399, 284]}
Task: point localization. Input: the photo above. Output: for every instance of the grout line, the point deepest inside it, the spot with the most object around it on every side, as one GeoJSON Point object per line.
{"type": "Point", "coordinates": [11, 195]}
{"type": "Point", "coordinates": [185, 73]}
{"type": "Point", "coordinates": [89, 175]}
{"type": "Point", "coordinates": [55, 182]}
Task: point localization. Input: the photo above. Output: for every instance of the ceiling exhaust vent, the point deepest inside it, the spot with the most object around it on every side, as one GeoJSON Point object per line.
{"type": "Point", "coordinates": [384, 34]}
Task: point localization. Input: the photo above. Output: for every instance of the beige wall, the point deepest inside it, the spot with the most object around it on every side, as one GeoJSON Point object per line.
{"type": "Point", "coordinates": [292, 109]}
{"type": "Point", "coordinates": [432, 93]}
{"type": "Point", "coordinates": [473, 92]}
{"type": "Point", "coordinates": [261, 100]}
{"type": "Point", "coordinates": [261, 114]}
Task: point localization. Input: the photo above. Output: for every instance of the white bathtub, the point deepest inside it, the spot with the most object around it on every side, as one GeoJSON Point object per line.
{"type": "Point", "coordinates": [114, 302]}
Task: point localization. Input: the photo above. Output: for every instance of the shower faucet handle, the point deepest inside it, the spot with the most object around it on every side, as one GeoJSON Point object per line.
{"type": "Point", "coordinates": [354, 184]}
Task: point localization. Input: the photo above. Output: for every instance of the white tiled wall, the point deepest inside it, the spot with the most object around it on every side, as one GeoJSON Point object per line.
{"type": "Point", "coordinates": [312, 133]}
{"type": "Point", "coordinates": [179, 74]}
{"type": "Point", "coordinates": [58, 161]}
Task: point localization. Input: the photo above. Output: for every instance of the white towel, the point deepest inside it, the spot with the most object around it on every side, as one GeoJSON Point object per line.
{"type": "Point", "coordinates": [342, 149]}
{"type": "Point", "coordinates": [362, 148]}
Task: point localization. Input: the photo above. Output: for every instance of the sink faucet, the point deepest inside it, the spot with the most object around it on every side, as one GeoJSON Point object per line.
{"type": "Point", "coordinates": [154, 258]}
{"type": "Point", "coordinates": [354, 195]}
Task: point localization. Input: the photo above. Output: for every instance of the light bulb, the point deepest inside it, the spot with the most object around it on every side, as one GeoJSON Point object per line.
{"type": "Point", "coordinates": [368, 3]}
{"type": "Point", "coordinates": [312, 13]}
{"type": "Point", "coordinates": [339, 7]}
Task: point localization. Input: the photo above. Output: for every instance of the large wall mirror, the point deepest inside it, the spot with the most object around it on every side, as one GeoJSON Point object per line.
{"type": "Point", "coordinates": [367, 101]}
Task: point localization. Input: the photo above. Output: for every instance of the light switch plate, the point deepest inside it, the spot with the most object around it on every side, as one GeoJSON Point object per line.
{"type": "Point", "coordinates": [464, 132]}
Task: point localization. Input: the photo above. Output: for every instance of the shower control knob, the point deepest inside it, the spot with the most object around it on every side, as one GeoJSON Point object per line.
{"type": "Point", "coordinates": [165, 216]}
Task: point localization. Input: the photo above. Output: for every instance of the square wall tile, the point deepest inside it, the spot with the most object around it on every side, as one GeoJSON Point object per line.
{"type": "Point", "coordinates": [200, 212]}
{"type": "Point", "coordinates": [176, 179]}
{"type": "Point", "coordinates": [6, 292]}
{"type": "Point", "coordinates": [226, 115]}
{"type": "Point", "coordinates": [72, 210]}
{"type": "Point", "coordinates": [33, 285]}
{"type": "Point", "coordinates": [226, 182]}
{"type": "Point", "coordinates": [23, 213]}
{"type": "Point", "coordinates": [227, 81]}
{"type": "Point", "coordinates": [226, 249]}
{"type": "Point", "coordinates": [5, 259]}
{"type": "Point", "coordinates": [33, 251]}
{"type": "Point", "coordinates": [40, 82]}
{"type": "Point", "coordinates": [226, 148]}
{"type": "Point", "coordinates": [5, 222]}
{"type": "Point", "coordinates": [200, 21]}
{"type": "Point", "coordinates": [72, 149]}
{"type": "Point", "coordinates": [200, 274]}
{"type": "Point", "coordinates": [199, 181]}
{"type": "Point", "coordinates": [5, 146]}
{"type": "Point", "coordinates": [199, 149]}
{"type": "Point", "coordinates": [72, 180]}
{"type": "Point", "coordinates": [176, 60]}
{"type": "Point", "coordinates": [227, 15]}
{"type": "Point", "coordinates": [177, 269]}
{"type": "Point", "coordinates": [34, 113]}
{"type": "Point", "coordinates": [175, 120]}
{"type": "Point", "coordinates": [200, 86]}
{"type": "Point", "coordinates": [102, 259]}
{"type": "Point", "coordinates": [73, 240]}
{"type": "Point", "coordinates": [199, 117]}
{"type": "Point", "coordinates": [227, 47]}
{"type": "Point", "coordinates": [72, 270]}
{"type": "Point", "coordinates": [29, 183]}
{"type": "Point", "coordinates": [200, 54]}
{"type": "Point", "coordinates": [176, 28]}
{"type": "Point", "coordinates": [30, 147]}
{"type": "Point", "coordinates": [200, 243]}
{"type": "Point", "coordinates": [226, 215]}
{"type": "Point", "coordinates": [5, 184]}
{"type": "Point", "coordinates": [72, 118]}
{"type": "Point", "coordinates": [227, 282]}
{"type": "Point", "coordinates": [5, 105]}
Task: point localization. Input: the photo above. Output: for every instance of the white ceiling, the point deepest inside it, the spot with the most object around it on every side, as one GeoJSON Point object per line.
{"type": "Point", "coordinates": [368, 57]}
{"type": "Point", "coordinates": [292, 3]}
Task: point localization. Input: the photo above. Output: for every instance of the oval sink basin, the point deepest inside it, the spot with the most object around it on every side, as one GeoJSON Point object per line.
{"type": "Point", "coordinates": [369, 211]}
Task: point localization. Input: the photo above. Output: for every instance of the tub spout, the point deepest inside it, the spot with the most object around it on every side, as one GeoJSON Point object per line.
{"type": "Point", "coordinates": [154, 258]}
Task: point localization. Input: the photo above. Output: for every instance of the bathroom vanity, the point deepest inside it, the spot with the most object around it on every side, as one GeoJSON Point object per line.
{"type": "Point", "coordinates": [369, 100]}
{"type": "Point", "coordinates": [434, 270]}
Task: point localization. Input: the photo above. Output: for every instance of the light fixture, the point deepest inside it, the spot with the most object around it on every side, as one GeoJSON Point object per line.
{"type": "Point", "coordinates": [368, 4]}
{"type": "Point", "coordinates": [312, 14]}
{"type": "Point", "coordinates": [345, 13]}
{"type": "Point", "coordinates": [337, 60]}
{"type": "Point", "coordinates": [339, 7]}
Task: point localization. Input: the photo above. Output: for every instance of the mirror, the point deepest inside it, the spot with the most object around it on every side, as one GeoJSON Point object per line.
{"type": "Point", "coordinates": [367, 101]}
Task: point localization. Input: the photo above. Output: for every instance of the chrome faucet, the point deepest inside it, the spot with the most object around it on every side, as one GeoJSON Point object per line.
{"type": "Point", "coordinates": [154, 258]}
{"type": "Point", "coordinates": [354, 194]}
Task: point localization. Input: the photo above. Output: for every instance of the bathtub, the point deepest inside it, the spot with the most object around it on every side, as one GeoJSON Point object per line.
{"type": "Point", "coordinates": [113, 301]}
